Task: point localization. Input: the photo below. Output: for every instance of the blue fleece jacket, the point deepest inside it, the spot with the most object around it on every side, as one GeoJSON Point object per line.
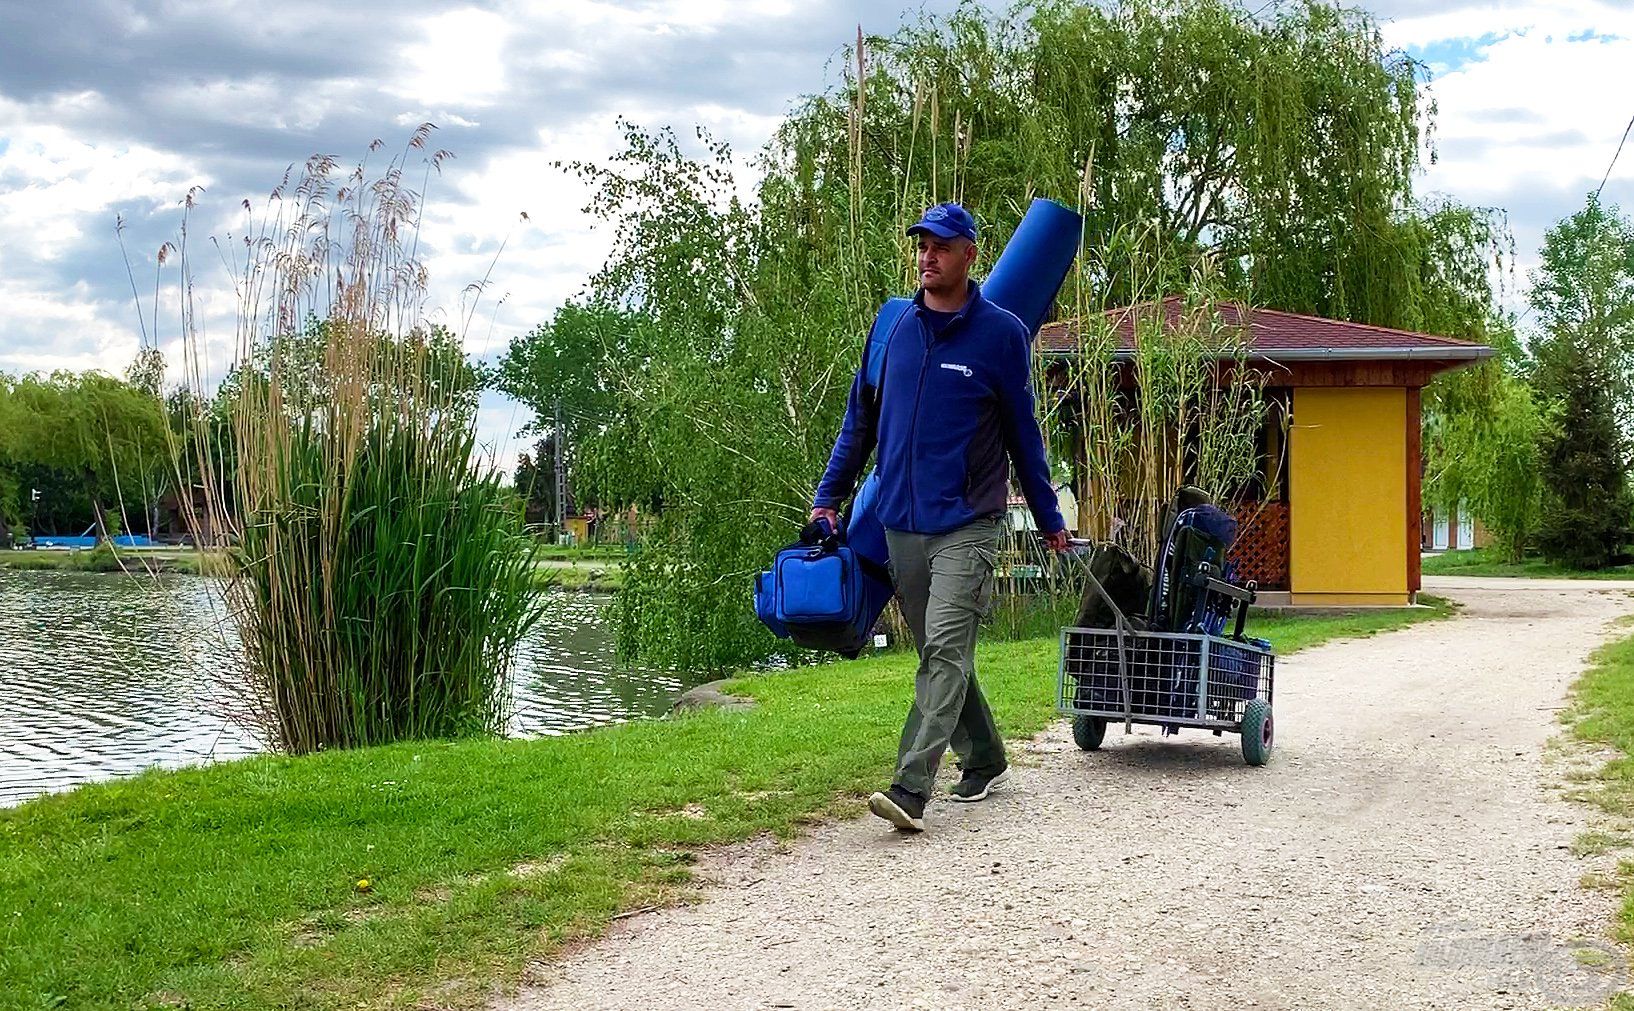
{"type": "Point", "coordinates": [948, 412]}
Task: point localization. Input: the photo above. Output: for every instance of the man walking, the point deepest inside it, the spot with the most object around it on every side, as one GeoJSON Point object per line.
{"type": "Point", "coordinates": [954, 402]}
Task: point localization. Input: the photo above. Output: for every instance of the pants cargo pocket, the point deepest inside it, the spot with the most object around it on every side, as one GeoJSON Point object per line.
{"type": "Point", "coordinates": [956, 580]}
{"type": "Point", "coordinates": [986, 559]}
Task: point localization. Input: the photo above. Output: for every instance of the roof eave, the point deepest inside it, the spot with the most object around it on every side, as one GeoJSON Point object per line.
{"type": "Point", "coordinates": [1449, 353]}
{"type": "Point", "coordinates": [1446, 353]}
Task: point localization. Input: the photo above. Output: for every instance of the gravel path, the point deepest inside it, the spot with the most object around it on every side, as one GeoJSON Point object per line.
{"type": "Point", "coordinates": [1405, 848]}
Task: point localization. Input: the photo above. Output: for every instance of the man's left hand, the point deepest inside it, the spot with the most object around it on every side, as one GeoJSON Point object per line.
{"type": "Point", "coordinates": [1057, 541]}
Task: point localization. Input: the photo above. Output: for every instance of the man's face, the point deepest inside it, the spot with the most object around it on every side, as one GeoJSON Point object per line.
{"type": "Point", "coordinates": [944, 264]}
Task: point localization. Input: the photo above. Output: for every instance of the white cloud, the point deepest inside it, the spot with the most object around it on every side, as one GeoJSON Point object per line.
{"type": "Point", "coordinates": [1530, 112]}
{"type": "Point", "coordinates": [460, 62]}
{"type": "Point", "coordinates": [1472, 21]}
{"type": "Point", "coordinates": [1568, 123]}
{"type": "Point", "coordinates": [35, 324]}
{"type": "Point", "coordinates": [55, 185]}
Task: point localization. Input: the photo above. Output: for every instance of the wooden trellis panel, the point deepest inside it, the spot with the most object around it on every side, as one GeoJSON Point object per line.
{"type": "Point", "coordinates": [1261, 551]}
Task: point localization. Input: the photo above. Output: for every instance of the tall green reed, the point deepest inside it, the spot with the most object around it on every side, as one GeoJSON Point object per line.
{"type": "Point", "coordinates": [1186, 404]}
{"type": "Point", "coordinates": [1183, 405]}
{"type": "Point", "coordinates": [377, 576]}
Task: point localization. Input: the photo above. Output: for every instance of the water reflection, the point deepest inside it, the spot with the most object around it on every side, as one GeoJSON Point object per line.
{"type": "Point", "coordinates": [107, 675]}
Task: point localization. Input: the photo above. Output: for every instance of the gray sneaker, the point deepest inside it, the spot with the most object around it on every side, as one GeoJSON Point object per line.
{"type": "Point", "coordinates": [973, 785]}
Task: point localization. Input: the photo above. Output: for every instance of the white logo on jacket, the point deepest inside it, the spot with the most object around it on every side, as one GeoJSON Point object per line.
{"type": "Point", "coordinates": [968, 372]}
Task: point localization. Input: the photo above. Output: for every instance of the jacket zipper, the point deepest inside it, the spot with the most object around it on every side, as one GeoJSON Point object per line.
{"type": "Point", "coordinates": [913, 427]}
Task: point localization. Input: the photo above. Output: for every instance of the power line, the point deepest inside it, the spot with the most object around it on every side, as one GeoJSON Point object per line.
{"type": "Point", "coordinates": [1613, 164]}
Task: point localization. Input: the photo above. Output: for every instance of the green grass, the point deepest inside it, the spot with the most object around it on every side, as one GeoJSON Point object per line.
{"type": "Point", "coordinates": [1603, 713]}
{"type": "Point", "coordinates": [582, 552]}
{"type": "Point", "coordinates": [581, 577]}
{"type": "Point", "coordinates": [237, 885]}
{"type": "Point", "coordinates": [1487, 562]}
{"type": "Point", "coordinates": [1039, 617]}
{"type": "Point", "coordinates": [1592, 844]}
{"type": "Point", "coordinates": [180, 560]}
{"type": "Point", "coordinates": [102, 559]}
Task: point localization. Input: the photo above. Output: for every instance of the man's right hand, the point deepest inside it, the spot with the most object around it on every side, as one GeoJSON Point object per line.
{"type": "Point", "coordinates": [830, 515]}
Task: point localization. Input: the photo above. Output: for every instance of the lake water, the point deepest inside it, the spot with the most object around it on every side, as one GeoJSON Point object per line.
{"type": "Point", "coordinates": [106, 675]}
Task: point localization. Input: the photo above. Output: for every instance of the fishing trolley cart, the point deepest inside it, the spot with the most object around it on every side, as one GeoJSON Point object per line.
{"type": "Point", "coordinates": [1176, 666]}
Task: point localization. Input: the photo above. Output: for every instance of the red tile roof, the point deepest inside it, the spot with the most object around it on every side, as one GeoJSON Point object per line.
{"type": "Point", "coordinates": [1278, 335]}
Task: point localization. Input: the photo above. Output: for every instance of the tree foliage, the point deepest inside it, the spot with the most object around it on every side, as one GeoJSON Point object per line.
{"type": "Point", "coordinates": [1583, 294]}
{"type": "Point", "coordinates": [576, 359]}
{"type": "Point", "coordinates": [1283, 146]}
{"type": "Point", "coordinates": [1587, 524]}
{"type": "Point", "coordinates": [713, 351]}
{"type": "Point", "coordinates": [1484, 432]}
{"type": "Point", "coordinates": [727, 380]}
{"type": "Point", "coordinates": [535, 482]}
{"type": "Point", "coordinates": [108, 435]}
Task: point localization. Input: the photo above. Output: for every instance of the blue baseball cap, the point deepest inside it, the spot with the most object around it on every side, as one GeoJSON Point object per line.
{"type": "Point", "coordinates": [947, 221]}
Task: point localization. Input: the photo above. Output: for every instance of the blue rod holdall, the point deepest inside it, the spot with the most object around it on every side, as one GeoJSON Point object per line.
{"type": "Point", "coordinates": [1029, 273]}
{"type": "Point", "coordinates": [827, 591]}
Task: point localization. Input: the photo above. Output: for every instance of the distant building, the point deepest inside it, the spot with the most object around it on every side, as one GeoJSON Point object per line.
{"type": "Point", "coordinates": [1021, 517]}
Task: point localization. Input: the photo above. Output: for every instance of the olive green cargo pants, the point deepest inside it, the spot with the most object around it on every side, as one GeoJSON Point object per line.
{"type": "Point", "coordinates": [945, 585]}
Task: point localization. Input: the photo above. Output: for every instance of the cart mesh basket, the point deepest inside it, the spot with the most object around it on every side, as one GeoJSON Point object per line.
{"type": "Point", "coordinates": [1191, 680]}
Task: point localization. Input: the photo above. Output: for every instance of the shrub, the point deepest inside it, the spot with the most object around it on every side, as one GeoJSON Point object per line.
{"type": "Point", "coordinates": [377, 576]}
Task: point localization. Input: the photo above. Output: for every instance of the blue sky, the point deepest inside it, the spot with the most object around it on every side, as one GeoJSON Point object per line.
{"type": "Point", "coordinates": [121, 107]}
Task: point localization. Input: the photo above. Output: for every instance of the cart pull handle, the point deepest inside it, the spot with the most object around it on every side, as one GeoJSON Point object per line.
{"type": "Point", "coordinates": [1079, 547]}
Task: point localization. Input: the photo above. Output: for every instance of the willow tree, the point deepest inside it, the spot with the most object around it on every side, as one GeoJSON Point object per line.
{"type": "Point", "coordinates": [1284, 147]}
{"type": "Point", "coordinates": [107, 434]}
{"type": "Point", "coordinates": [1281, 148]}
{"type": "Point", "coordinates": [723, 347]}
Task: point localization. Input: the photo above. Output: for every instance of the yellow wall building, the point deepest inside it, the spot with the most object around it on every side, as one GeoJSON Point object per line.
{"type": "Point", "coordinates": [1348, 523]}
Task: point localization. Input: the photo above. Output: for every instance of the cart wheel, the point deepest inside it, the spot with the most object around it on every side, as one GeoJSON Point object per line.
{"type": "Point", "coordinates": [1088, 731]}
{"type": "Point", "coordinates": [1256, 732]}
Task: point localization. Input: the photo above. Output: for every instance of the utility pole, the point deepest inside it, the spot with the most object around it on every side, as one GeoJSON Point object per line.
{"type": "Point", "coordinates": [561, 476]}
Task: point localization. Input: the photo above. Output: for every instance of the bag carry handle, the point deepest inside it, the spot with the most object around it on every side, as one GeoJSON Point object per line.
{"type": "Point", "coordinates": [820, 534]}
{"type": "Point", "coordinates": [823, 538]}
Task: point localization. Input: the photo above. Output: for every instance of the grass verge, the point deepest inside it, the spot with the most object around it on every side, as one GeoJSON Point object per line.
{"type": "Point", "coordinates": [1486, 562]}
{"type": "Point", "coordinates": [606, 553]}
{"type": "Point", "coordinates": [105, 559]}
{"type": "Point", "coordinates": [423, 874]}
{"type": "Point", "coordinates": [1603, 713]}
{"type": "Point", "coordinates": [598, 573]}
{"type": "Point", "coordinates": [579, 577]}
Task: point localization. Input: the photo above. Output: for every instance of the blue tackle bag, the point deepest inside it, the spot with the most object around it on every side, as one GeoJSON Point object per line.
{"type": "Point", "coordinates": [815, 584]}
{"type": "Point", "coordinates": [821, 593]}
